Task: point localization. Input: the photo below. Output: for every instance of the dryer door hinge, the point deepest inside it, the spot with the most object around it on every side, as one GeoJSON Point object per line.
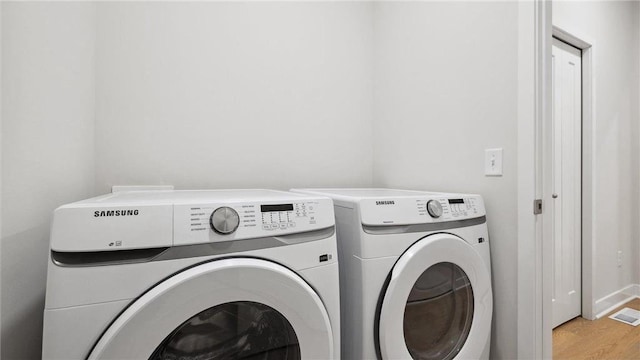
{"type": "Point", "coordinates": [537, 206]}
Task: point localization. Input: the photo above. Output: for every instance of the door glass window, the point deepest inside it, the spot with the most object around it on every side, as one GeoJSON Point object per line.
{"type": "Point", "coordinates": [439, 311]}
{"type": "Point", "coordinates": [236, 330]}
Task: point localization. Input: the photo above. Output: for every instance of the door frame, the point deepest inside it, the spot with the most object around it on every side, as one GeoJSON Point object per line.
{"type": "Point", "coordinates": [588, 164]}
{"type": "Point", "coordinates": [534, 289]}
{"type": "Point", "coordinates": [534, 97]}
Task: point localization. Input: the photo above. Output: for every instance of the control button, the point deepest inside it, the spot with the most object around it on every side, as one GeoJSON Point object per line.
{"type": "Point", "coordinates": [292, 224]}
{"type": "Point", "coordinates": [224, 220]}
{"type": "Point", "coordinates": [275, 226]}
{"type": "Point", "coordinates": [434, 208]}
{"type": "Point", "coordinates": [266, 227]}
{"type": "Point", "coordinates": [283, 226]}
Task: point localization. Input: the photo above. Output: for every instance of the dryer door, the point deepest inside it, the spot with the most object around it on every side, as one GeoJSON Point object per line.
{"type": "Point", "coordinates": [438, 302]}
{"type": "Point", "coordinates": [225, 309]}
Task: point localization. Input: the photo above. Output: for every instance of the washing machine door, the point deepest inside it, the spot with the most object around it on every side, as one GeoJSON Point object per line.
{"type": "Point", "coordinates": [438, 302]}
{"type": "Point", "coordinates": [225, 309]}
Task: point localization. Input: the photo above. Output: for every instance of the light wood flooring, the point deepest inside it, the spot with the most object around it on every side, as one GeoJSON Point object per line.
{"type": "Point", "coordinates": [599, 339]}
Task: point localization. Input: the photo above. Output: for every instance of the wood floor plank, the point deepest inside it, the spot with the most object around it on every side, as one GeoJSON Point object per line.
{"type": "Point", "coordinates": [599, 339]}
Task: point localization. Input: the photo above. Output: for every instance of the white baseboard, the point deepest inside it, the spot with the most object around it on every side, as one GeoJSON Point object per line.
{"type": "Point", "coordinates": [608, 303]}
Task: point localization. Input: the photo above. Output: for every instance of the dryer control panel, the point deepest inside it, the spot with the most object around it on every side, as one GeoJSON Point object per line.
{"type": "Point", "coordinates": [453, 207]}
{"type": "Point", "coordinates": [202, 223]}
{"type": "Point", "coordinates": [419, 210]}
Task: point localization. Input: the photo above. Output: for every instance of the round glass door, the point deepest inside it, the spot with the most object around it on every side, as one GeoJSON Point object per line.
{"type": "Point", "coordinates": [232, 308]}
{"type": "Point", "coordinates": [438, 313]}
{"type": "Point", "coordinates": [236, 330]}
{"type": "Point", "coordinates": [438, 302]}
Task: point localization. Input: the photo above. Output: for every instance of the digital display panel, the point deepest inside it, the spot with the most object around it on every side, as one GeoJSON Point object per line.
{"type": "Point", "coordinates": [456, 201]}
{"type": "Point", "coordinates": [276, 207]}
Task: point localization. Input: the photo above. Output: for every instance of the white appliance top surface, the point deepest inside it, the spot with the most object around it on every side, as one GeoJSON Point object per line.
{"type": "Point", "coordinates": [383, 207]}
{"type": "Point", "coordinates": [162, 218]}
{"type": "Point", "coordinates": [369, 193]}
{"type": "Point", "coordinates": [164, 197]}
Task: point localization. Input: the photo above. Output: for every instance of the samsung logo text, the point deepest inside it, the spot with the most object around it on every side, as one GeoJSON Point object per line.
{"type": "Point", "coordinates": [385, 202]}
{"type": "Point", "coordinates": [115, 213]}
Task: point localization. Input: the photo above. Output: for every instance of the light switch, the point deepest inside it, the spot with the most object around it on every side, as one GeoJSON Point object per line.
{"type": "Point", "coordinates": [493, 162]}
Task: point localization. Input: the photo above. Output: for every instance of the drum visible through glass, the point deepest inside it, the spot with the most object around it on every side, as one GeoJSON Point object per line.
{"type": "Point", "coordinates": [237, 330]}
{"type": "Point", "coordinates": [439, 313]}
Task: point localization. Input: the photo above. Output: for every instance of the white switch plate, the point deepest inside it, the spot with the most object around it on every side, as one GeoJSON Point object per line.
{"type": "Point", "coordinates": [619, 258]}
{"type": "Point", "coordinates": [493, 162]}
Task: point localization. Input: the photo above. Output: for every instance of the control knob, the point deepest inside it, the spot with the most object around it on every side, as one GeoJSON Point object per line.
{"type": "Point", "coordinates": [434, 208]}
{"type": "Point", "coordinates": [224, 220]}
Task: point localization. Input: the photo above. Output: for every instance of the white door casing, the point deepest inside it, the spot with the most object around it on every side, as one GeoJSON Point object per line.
{"type": "Point", "coordinates": [138, 331]}
{"type": "Point", "coordinates": [432, 250]}
{"type": "Point", "coordinates": [566, 170]}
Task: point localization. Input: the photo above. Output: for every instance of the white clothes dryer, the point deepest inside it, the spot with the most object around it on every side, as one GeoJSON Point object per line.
{"type": "Point", "coordinates": [415, 274]}
{"type": "Point", "coordinates": [228, 274]}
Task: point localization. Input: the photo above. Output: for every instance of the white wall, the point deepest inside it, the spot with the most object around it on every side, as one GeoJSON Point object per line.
{"type": "Point", "coordinates": [47, 149]}
{"type": "Point", "coordinates": [635, 168]}
{"type": "Point", "coordinates": [445, 90]}
{"type": "Point", "coordinates": [613, 28]}
{"type": "Point", "coordinates": [0, 177]}
{"type": "Point", "coordinates": [229, 95]}
{"type": "Point", "coordinates": [635, 153]}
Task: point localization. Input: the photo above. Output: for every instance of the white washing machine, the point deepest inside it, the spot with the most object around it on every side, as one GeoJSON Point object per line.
{"type": "Point", "coordinates": [243, 274]}
{"type": "Point", "coordinates": [415, 274]}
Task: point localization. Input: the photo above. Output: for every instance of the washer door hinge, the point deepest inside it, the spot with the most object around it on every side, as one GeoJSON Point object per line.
{"type": "Point", "coordinates": [537, 206]}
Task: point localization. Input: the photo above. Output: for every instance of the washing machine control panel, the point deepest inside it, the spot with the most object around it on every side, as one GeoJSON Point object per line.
{"type": "Point", "coordinates": [202, 223]}
{"type": "Point", "coordinates": [417, 210]}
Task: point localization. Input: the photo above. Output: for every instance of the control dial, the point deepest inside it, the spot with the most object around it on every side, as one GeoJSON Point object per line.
{"type": "Point", "coordinates": [224, 220]}
{"type": "Point", "coordinates": [434, 208]}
